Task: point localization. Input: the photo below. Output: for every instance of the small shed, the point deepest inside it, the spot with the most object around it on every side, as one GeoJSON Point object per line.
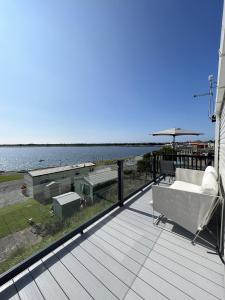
{"type": "Point", "coordinates": [66, 204]}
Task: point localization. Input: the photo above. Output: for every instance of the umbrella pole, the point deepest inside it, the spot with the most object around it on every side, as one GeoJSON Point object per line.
{"type": "Point", "coordinates": [173, 148]}
{"type": "Point", "coordinates": [173, 142]}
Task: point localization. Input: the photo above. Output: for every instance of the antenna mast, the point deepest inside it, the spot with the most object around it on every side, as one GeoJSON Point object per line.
{"type": "Point", "coordinates": [211, 114]}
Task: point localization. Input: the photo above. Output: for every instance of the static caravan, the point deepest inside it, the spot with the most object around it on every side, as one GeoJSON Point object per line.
{"type": "Point", "coordinates": [93, 186]}
{"type": "Point", "coordinates": [41, 182]}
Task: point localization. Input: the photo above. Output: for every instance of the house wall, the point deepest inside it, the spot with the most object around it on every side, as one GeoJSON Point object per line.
{"type": "Point", "coordinates": [220, 108]}
{"type": "Point", "coordinates": [28, 180]}
{"type": "Point", "coordinates": [221, 146]}
{"type": "Point", "coordinates": [220, 127]}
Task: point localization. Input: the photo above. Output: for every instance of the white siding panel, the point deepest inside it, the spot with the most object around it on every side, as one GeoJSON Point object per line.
{"type": "Point", "coordinates": [222, 146]}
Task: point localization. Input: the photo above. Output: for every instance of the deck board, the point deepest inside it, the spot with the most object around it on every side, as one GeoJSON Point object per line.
{"type": "Point", "coordinates": [89, 281]}
{"type": "Point", "coordinates": [113, 283]}
{"type": "Point", "coordinates": [118, 255]}
{"type": "Point", "coordinates": [196, 282]}
{"type": "Point", "coordinates": [9, 291]}
{"type": "Point", "coordinates": [214, 267]}
{"type": "Point", "coordinates": [70, 285]}
{"type": "Point", "coordinates": [48, 286]}
{"type": "Point", "coordinates": [27, 287]}
{"type": "Point", "coordinates": [109, 262]}
{"type": "Point", "coordinates": [124, 257]}
{"type": "Point", "coordinates": [122, 246]}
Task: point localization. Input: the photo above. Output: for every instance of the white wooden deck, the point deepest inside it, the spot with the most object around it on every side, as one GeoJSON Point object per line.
{"type": "Point", "coordinates": [124, 257]}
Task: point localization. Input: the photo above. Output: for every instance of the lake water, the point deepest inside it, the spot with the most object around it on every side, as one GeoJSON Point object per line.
{"type": "Point", "coordinates": [28, 158]}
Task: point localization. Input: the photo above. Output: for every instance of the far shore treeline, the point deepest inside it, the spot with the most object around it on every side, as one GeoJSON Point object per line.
{"type": "Point", "coordinates": [82, 145]}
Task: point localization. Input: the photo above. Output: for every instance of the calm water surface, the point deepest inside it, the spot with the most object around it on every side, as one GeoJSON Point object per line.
{"type": "Point", "coordinates": [27, 158]}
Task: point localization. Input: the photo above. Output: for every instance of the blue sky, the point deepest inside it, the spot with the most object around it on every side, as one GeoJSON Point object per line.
{"type": "Point", "coordinates": [105, 70]}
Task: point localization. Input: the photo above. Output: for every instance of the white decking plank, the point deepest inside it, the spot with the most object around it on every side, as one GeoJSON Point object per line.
{"type": "Point", "coordinates": [146, 291]}
{"type": "Point", "coordinates": [178, 240]}
{"type": "Point", "coordinates": [120, 256]}
{"type": "Point", "coordinates": [142, 207]}
{"type": "Point", "coordinates": [147, 219]}
{"type": "Point", "coordinates": [167, 289]}
{"type": "Point", "coordinates": [143, 201]}
{"type": "Point", "coordinates": [195, 267]}
{"type": "Point", "coordinates": [178, 281]}
{"type": "Point", "coordinates": [192, 256]}
{"type": "Point", "coordinates": [129, 241]}
{"type": "Point", "coordinates": [141, 220]}
{"type": "Point", "coordinates": [113, 283]}
{"type": "Point", "coordinates": [199, 282]}
{"type": "Point", "coordinates": [144, 198]}
{"type": "Point", "coordinates": [136, 228]}
{"type": "Point", "coordinates": [105, 261]}
{"type": "Point", "coordinates": [131, 295]}
{"type": "Point", "coordinates": [91, 284]}
{"type": "Point", "coordinates": [140, 238]}
{"type": "Point", "coordinates": [8, 291]}
{"type": "Point", "coordinates": [120, 245]}
{"type": "Point", "coordinates": [46, 283]}
{"type": "Point", "coordinates": [26, 287]}
{"type": "Point", "coordinates": [109, 262]}
{"type": "Point", "coordinates": [145, 225]}
{"type": "Point", "coordinates": [72, 288]}
{"type": "Point", "coordinates": [186, 244]}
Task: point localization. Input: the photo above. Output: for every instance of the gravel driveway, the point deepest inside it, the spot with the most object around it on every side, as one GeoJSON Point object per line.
{"type": "Point", "coordinates": [10, 192]}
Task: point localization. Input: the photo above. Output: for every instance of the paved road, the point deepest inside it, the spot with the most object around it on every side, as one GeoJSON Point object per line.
{"type": "Point", "coordinates": [10, 192]}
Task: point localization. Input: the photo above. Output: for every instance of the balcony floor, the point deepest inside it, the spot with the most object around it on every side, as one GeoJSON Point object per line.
{"type": "Point", "coordinates": [124, 256]}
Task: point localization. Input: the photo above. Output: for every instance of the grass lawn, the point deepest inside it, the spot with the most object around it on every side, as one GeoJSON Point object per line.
{"type": "Point", "coordinates": [10, 177]}
{"type": "Point", "coordinates": [15, 217]}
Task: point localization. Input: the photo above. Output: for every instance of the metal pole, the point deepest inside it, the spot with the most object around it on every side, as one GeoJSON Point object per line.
{"type": "Point", "coordinates": [154, 167]}
{"type": "Point", "coordinates": [173, 142]}
{"type": "Point", "coordinates": [120, 182]}
{"type": "Point", "coordinates": [173, 148]}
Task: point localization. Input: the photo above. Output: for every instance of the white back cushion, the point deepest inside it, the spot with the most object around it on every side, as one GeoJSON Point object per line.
{"type": "Point", "coordinates": [209, 184]}
{"type": "Point", "coordinates": [211, 170]}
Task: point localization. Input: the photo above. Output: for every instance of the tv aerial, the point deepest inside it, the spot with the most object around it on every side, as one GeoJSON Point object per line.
{"type": "Point", "coordinates": [212, 85]}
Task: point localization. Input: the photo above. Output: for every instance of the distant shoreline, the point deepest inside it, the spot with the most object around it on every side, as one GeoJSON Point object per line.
{"type": "Point", "coordinates": [85, 145]}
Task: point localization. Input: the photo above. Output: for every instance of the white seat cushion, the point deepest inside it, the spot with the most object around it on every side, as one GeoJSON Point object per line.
{"type": "Point", "coordinates": [185, 186]}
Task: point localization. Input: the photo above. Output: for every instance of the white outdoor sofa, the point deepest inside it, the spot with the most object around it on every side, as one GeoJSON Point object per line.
{"type": "Point", "coordinates": [190, 200]}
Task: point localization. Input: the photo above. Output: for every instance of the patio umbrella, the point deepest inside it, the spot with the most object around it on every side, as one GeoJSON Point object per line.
{"type": "Point", "coordinates": [176, 132]}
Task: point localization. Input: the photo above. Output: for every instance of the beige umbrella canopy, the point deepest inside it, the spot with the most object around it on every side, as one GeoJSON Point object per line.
{"type": "Point", "coordinates": [175, 132]}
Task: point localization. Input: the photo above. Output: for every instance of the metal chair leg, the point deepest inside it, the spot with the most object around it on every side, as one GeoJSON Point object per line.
{"type": "Point", "coordinates": [157, 221]}
{"type": "Point", "coordinates": [195, 237]}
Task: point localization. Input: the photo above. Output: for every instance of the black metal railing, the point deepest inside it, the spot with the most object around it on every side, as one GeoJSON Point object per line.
{"type": "Point", "coordinates": [133, 175]}
{"type": "Point", "coordinates": [194, 162]}
{"type": "Point", "coordinates": [130, 180]}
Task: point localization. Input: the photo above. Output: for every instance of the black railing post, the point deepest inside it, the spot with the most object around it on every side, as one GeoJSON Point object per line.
{"type": "Point", "coordinates": [200, 162]}
{"type": "Point", "coordinates": [120, 182]}
{"type": "Point", "coordinates": [154, 167]}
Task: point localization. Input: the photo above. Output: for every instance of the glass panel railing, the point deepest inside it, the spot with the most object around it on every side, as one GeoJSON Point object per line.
{"type": "Point", "coordinates": [41, 206]}
{"type": "Point", "coordinates": [138, 171]}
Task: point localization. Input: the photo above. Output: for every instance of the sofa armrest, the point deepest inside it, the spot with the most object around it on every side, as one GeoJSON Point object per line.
{"type": "Point", "coordinates": [190, 176]}
{"type": "Point", "coordinates": [187, 209]}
